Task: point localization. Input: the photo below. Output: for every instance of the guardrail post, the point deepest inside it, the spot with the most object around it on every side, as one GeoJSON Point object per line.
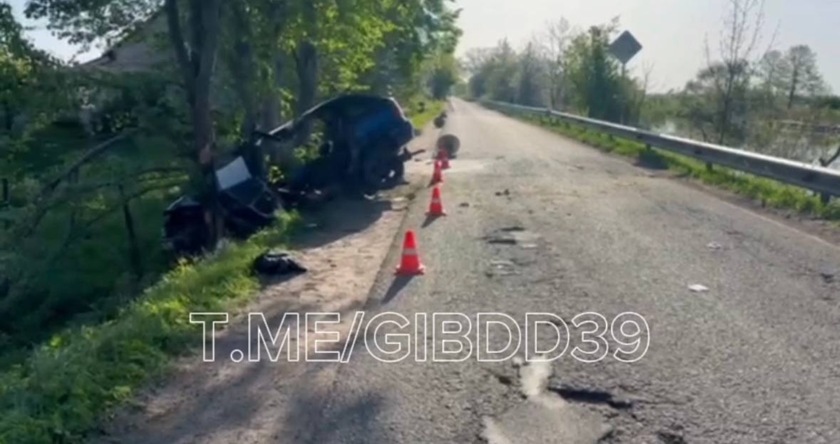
{"type": "Point", "coordinates": [709, 166]}
{"type": "Point", "coordinates": [5, 199]}
{"type": "Point", "coordinates": [825, 198]}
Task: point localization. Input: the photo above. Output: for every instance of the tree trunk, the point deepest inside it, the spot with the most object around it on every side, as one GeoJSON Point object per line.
{"type": "Point", "coordinates": [793, 86]}
{"type": "Point", "coordinates": [133, 249]}
{"type": "Point", "coordinates": [243, 69]}
{"type": "Point", "coordinates": [197, 66]}
{"type": "Point", "coordinates": [306, 63]}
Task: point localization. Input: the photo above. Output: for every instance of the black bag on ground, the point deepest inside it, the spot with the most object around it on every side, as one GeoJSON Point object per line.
{"type": "Point", "coordinates": [276, 263]}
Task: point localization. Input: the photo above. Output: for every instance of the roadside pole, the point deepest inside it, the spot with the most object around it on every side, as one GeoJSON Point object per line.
{"type": "Point", "coordinates": [624, 48]}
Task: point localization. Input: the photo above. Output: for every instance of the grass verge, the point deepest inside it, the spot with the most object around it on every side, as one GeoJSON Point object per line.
{"type": "Point", "coordinates": [67, 384]}
{"type": "Point", "coordinates": [421, 115]}
{"type": "Point", "coordinates": [768, 192]}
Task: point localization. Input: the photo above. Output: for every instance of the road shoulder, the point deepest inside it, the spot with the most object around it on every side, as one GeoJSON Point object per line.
{"type": "Point", "coordinates": [343, 247]}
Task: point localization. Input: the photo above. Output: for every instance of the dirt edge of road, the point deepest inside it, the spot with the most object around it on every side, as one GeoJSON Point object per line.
{"type": "Point", "coordinates": [346, 252]}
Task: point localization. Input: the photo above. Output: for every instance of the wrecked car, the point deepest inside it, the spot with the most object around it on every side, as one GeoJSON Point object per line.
{"type": "Point", "coordinates": [362, 144]}
{"type": "Point", "coordinates": [246, 202]}
{"type": "Point", "coordinates": [361, 148]}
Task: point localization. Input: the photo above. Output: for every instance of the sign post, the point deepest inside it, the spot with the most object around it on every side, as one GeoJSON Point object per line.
{"type": "Point", "coordinates": [624, 48]}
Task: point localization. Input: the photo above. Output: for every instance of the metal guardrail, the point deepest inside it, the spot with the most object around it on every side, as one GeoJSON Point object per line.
{"type": "Point", "coordinates": [816, 178]}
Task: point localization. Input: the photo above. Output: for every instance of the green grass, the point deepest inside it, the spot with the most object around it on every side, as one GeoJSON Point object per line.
{"type": "Point", "coordinates": [65, 386]}
{"type": "Point", "coordinates": [420, 117]}
{"type": "Point", "coordinates": [770, 193]}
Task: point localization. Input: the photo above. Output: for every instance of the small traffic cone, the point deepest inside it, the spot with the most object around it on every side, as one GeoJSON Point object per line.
{"type": "Point", "coordinates": [410, 263]}
{"type": "Point", "coordinates": [436, 206]}
{"type": "Point", "coordinates": [437, 176]}
{"type": "Point", "coordinates": [444, 159]}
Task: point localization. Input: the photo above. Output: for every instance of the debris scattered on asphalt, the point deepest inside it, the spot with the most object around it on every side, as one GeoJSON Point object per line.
{"type": "Point", "coordinates": [276, 263]}
{"type": "Point", "coordinates": [506, 192]}
{"type": "Point", "coordinates": [501, 268]}
{"type": "Point", "coordinates": [827, 276]}
{"type": "Point", "coordinates": [698, 288]}
{"type": "Point", "coordinates": [464, 204]}
{"type": "Point", "coordinates": [514, 235]}
{"type": "Point", "coordinates": [714, 246]}
{"type": "Point", "coordinates": [543, 416]}
{"type": "Point", "coordinates": [502, 263]}
{"type": "Point", "coordinates": [502, 378]}
{"type": "Point", "coordinates": [668, 437]}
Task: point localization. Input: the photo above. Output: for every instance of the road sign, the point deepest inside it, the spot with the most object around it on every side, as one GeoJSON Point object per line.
{"type": "Point", "coordinates": [625, 47]}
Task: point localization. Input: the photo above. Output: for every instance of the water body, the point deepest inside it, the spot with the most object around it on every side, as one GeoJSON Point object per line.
{"type": "Point", "coordinates": [804, 147]}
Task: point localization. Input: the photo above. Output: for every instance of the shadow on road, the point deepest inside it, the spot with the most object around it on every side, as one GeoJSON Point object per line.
{"type": "Point", "coordinates": [430, 219]}
{"type": "Point", "coordinates": [356, 420]}
{"type": "Point", "coordinates": [318, 414]}
{"type": "Point", "coordinates": [651, 160]}
{"type": "Point", "coordinates": [340, 218]}
{"type": "Point", "coordinates": [226, 397]}
{"type": "Point", "coordinates": [396, 286]}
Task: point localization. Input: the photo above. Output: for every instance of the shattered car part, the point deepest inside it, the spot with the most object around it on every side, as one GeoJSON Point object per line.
{"type": "Point", "coordinates": [247, 203]}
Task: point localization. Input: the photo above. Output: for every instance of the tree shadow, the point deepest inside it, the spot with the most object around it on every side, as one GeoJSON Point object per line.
{"type": "Point", "coordinates": [355, 418]}
{"type": "Point", "coordinates": [342, 217]}
{"type": "Point", "coordinates": [319, 414]}
{"type": "Point", "coordinates": [651, 160]}
{"type": "Point", "coordinates": [213, 405]}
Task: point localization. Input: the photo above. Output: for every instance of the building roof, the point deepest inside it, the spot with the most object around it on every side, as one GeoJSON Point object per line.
{"type": "Point", "coordinates": [136, 51]}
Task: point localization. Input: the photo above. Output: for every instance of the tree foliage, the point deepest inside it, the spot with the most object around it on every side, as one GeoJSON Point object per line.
{"type": "Point", "coordinates": [573, 70]}
{"type": "Point", "coordinates": [772, 100]}
{"type": "Point", "coordinates": [86, 147]}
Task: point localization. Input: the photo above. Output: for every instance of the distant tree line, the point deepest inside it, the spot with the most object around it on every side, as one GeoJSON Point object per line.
{"type": "Point", "coordinates": [744, 95]}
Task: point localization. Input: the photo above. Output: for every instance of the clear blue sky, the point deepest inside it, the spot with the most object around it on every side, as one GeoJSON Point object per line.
{"type": "Point", "coordinates": [672, 31]}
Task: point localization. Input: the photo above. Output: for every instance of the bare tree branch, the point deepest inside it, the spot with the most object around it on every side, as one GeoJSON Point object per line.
{"type": "Point", "coordinates": [87, 157]}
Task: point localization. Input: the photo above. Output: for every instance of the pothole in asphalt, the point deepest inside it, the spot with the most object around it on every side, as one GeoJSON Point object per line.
{"type": "Point", "coordinates": [668, 437]}
{"type": "Point", "coordinates": [543, 417]}
{"type": "Point", "coordinates": [513, 235]}
{"type": "Point", "coordinates": [591, 396]}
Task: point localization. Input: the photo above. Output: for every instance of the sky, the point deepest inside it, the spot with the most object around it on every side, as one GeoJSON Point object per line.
{"type": "Point", "coordinates": [672, 32]}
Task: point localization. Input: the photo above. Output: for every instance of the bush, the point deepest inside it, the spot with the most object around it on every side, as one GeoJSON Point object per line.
{"type": "Point", "coordinates": [62, 389]}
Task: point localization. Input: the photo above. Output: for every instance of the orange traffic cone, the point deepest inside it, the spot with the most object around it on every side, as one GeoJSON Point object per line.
{"type": "Point", "coordinates": [410, 263]}
{"type": "Point", "coordinates": [444, 159]}
{"type": "Point", "coordinates": [437, 176]}
{"type": "Point", "coordinates": [436, 206]}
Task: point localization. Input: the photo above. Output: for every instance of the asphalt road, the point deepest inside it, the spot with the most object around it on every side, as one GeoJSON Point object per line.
{"type": "Point", "coordinates": [754, 359]}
